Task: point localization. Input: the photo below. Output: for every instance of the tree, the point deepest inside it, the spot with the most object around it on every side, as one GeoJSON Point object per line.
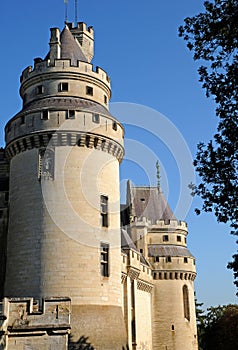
{"type": "Point", "coordinates": [212, 36]}
{"type": "Point", "coordinates": [200, 318]}
{"type": "Point", "coordinates": [221, 328]}
{"type": "Point", "coordinates": [81, 344]}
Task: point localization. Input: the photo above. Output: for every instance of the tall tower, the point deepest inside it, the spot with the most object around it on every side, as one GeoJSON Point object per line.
{"type": "Point", "coordinates": [64, 148]}
{"type": "Point", "coordinates": [162, 239]}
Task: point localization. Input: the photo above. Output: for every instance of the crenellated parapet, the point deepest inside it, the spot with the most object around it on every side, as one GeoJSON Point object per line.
{"type": "Point", "coordinates": [61, 78]}
{"type": "Point", "coordinates": [23, 319]}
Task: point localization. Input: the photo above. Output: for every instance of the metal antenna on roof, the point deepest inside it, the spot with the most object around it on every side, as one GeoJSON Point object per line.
{"type": "Point", "coordinates": [158, 174]}
{"type": "Point", "coordinates": [76, 12]}
{"type": "Point", "coordinates": [66, 10]}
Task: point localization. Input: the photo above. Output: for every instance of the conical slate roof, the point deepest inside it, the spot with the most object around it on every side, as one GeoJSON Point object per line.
{"type": "Point", "coordinates": [150, 202]}
{"type": "Point", "coordinates": [70, 49]}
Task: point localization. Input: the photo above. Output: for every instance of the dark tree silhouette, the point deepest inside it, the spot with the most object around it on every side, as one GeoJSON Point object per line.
{"type": "Point", "coordinates": [212, 36]}
{"type": "Point", "coordinates": [81, 344]}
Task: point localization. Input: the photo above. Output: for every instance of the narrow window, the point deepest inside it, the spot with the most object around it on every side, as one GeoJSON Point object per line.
{"type": "Point", "coordinates": [168, 259]}
{"type": "Point", "coordinates": [114, 126]}
{"type": "Point", "coordinates": [87, 141]}
{"type": "Point", "coordinates": [105, 99]}
{"type": "Point", "coordinates": [185, 260]}
{"type": "Point", "coordinates": [95, 142]}
{"type": "Point", "coordinates": [45, 115]}
{"type": "Point", "coordinates": [89, 90]}
{"type": "Point", "coordinates": [96, 118]}
{"type": "Point", "coordinates": [156, 259]}
{"type": "Point", "coordinates": [141, 251]}
{"type": "Point", "coordinates": [178, 238]}
{"type": "Point", "coordinates": [22, 119]}
{"type": "Point", "coordinates": [104, 259]}
{"type": "Point", "coordinates": [104, 211]}
{"type": "Point", "coordinates": [172, 327]}
{"type": "Point", "coordinates": [165, 238]}
{"type": "Point", "coordinates": [64, 87]}
{"type": "Point", "coordinates": [71, 114]}
{"type": "Point", "coordinates": [40, 89]}
{"type": "Point", "coordinates": [186, 303]}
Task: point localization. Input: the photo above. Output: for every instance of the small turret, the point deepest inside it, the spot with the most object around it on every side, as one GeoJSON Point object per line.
{"type": "Point", "coordinates": [85, 37]}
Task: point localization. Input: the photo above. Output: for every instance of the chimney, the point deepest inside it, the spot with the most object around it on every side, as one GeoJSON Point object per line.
{"type": "Point", "coordinates": [55, 49]}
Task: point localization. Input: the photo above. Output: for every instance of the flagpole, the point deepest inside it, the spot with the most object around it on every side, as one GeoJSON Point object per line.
{"type": "Point", "coordinates": [66, 10]}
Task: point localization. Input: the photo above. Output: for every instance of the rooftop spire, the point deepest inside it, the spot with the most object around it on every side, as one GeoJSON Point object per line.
{"type": "Point", "coordinates": [76, 11]}
{"type": "Point", "coordinates": [66, 10]}
{"type": "Point", "coordinates": [158, 174]}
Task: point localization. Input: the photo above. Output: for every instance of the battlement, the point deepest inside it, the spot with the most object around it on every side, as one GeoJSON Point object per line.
{"type": "Point", "coordinates": [173, 224]}
{"type": "Point", "coordinates": [28, 313]}
{"type": "Point", "coordinates": [81, 27]}
{"type": "Point", "coordinates": [22, 319]}
{"type": "Point", "coordinates": [64, 66]}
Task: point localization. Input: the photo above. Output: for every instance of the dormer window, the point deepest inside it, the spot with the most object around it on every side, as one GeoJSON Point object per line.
{"type": "Point", "coordinates": [63, 87]}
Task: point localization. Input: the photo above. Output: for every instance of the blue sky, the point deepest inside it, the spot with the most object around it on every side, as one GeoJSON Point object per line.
{"type": "Point", "coordinates": [138, 45]}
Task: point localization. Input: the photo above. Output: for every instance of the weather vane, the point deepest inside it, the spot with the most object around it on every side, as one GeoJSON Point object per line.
{"type": "Point", "coordinates": [158, 174]}
{"type": "Point", "coordinates": [66, 10]}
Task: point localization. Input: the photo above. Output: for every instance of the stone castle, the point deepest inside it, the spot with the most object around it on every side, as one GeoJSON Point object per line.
{"type": "Point", "coordinates": [73, 262]}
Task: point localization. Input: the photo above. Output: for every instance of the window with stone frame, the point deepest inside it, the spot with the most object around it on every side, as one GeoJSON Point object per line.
{"type": "Point", "coordinates": [104, 251]}
{"type": "Point", "coordinates": [186, 303]}
{"type": "Point", "coordinates": [104, 210]}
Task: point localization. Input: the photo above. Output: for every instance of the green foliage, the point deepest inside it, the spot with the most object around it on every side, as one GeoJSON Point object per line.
{"type": "Point", "coordinates": [218, 328]}
{"type": "Point", "coordinates": [221, 328]}
{"type": "Point", "coordinates": [81, 344]}
{"type": "Point", "coordinates": [212, 36]}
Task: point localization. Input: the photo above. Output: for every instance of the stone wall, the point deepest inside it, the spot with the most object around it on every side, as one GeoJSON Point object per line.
{"type": "Point", "coordinates": [24, 324]}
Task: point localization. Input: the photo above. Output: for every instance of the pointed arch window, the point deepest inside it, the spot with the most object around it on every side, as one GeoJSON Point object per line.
{"type": "Point", "coordinates": [186, 302]}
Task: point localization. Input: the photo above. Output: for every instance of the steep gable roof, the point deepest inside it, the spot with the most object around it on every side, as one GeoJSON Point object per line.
{"type": "Point", "coordinates": [149, 202]}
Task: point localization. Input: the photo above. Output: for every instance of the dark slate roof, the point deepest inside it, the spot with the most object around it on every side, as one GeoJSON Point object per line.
{"type": "Point", "coordinates": [150, 203]}
{"type": "Point", "coordinates": [168, 250]}
{"type": "Point", "coordinates": [70, 48]}
{"type": "Point", "coordinates": [126, 241]}
{"type": "Point", "coordinates": [66, 103]}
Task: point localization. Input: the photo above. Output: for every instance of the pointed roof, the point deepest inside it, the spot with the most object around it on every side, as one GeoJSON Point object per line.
{"type": "Point", "coordinates": [126, 241]}
{"type": "Point", "coordinates": [70, 48]}
{"type": "Point", "coordinates": [150, 202]}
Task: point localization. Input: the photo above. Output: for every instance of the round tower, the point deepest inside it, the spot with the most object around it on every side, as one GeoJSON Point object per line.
{"type": "Point", "coordinates": [65, 148]}
{"type": "Point", "coordinates": [162, 239]}
{"type": "Point", "coordinates": [174, 317]}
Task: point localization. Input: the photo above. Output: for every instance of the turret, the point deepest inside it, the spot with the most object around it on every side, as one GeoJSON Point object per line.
{"type": "Point", "coordinates": [162, 240]}
{"type": "Point", "coordinates": [64, 149]}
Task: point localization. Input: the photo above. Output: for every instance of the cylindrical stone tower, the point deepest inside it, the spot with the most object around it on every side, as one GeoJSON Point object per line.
{"type": "Point", "coordinates": [65, 148]}
{"type": "Point", "coordinates": [163, 241]}
{"type": "Point", "coordinates": [174, 272]}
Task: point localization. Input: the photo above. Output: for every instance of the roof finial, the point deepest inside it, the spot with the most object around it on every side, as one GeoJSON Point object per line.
{"type": "Point", "coordinates": [66, 10]}
{"type": "Point", "coordinates": [76, 12]}
{"type": "Point", "coordinates": [158, 174]}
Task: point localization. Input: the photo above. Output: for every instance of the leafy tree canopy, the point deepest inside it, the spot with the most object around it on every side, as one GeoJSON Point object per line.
{"type": "Point", "coordinates": [220, 330]}
{"type": "Point", "coordinates": [212, 36]}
